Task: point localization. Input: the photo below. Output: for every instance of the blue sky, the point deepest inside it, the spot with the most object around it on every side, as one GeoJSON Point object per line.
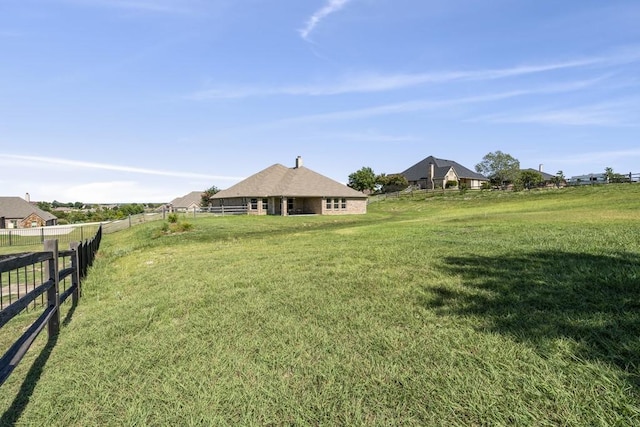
{"type": "Point", "coordinates": [141, 100]}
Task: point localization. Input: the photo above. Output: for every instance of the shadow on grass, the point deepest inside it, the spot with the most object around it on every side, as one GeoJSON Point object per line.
{"type": "Point", "coordinates": [20, 402]}
{"type": "Point", "coordinates": [539, 297]}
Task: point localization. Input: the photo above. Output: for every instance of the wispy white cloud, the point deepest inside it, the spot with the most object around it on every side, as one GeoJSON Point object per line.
{"type": "Point", "coordinates": [369, 82]}
{"type": "Point", "coordinates": [330, 7]}
{"type": "Point", "coordinates": [612, 114]}
{"type": "Point", "coordinates": [421, 105]}
{"type": "Point", "coordinates": [12, 159]}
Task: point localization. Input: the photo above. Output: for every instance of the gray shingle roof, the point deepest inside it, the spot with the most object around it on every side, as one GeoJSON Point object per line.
{"type": "Point", "coordinates": [545, 176]}
{"type": "Point", "coordinates": [420, 170]}
{"type": "Point", "coordinates": [278, 180]}
{"type": "Point", "coordinates": [195, 197]}
{"type": "Point", "coordinates": [18, 208]}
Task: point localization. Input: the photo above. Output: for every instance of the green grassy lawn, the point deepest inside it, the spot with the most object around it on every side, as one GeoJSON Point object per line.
{"type": "Point", "coordinates": [474, 309]}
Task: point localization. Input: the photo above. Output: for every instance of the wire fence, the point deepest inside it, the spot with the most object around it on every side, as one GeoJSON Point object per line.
{"type": "Point", "coordinates": [78, 232]}
{"type": "Point", "coordinates": [37, 235]}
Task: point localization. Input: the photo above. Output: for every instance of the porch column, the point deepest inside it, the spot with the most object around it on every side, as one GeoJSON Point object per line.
{"type": "Point", "coordinates": [284, 206]}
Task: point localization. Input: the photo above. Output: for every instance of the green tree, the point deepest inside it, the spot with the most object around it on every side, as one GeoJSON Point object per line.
{"type": "Point", "coordinates": [131, 209]}
{"type": "Point", "coordinates": [608, 171]}
{"type": "Point", "coordinates": [45, 206]}
{"type": "Point", "coordinates": [529, 179]}
{"type": "Point", "coordinates": [205, 199]}
{"type": "Point", "coordinates": [391, 183]}
{"type": "Point", "coordinates": [363, 180]}
{"type": "Point", "coordinates": [614, 177]}
{"type": "Point", "coordinates": [499, 167]}
{"type": "Point", "coordinates": [77, 217]}
{"type": "Point", "coordinates": [558, 179]}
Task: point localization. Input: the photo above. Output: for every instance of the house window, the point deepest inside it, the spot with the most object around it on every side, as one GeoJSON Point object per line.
{"type": "Point", "coordinates": [290, 204]}
{"type": "Point", "coordinates": [328, 203]}
{"type": "Point", "coordinates": [343, 204]}
{"type": "Point", "coordinates": [265, 204]}
{"type": "Point", "coordinates": [336, 203]}
{"type": "Point", "coordinates": [254, 204]}
{"type": "Point", "coordinates": [34, 224]}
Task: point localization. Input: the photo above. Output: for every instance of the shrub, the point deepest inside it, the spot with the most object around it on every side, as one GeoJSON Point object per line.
{"type": "Point", "coordinates": [185, 226]}
{"type": "Point", "coordinates": [173, 218]}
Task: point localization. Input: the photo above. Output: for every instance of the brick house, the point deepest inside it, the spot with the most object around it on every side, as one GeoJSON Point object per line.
{"type": "Point", "coordinates": [279, 190]}
{"type": "Point", "coordinates": [433, 173]}
{"type": "Point", "coordinates": [15, 212]}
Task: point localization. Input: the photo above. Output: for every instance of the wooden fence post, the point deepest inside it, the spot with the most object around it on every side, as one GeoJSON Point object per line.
{"type": "Point", "coordinates": [53, 297]}
{"type": "Point", "coordinates": [75, 277]}
{"type": "Point", "coordinates": [84, 255]}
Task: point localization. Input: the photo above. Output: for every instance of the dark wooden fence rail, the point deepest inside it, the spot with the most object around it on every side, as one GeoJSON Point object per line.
{"type": "Point", "coordinates": [46, 264]}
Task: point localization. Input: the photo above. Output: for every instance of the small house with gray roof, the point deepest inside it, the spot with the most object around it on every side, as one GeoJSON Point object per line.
{"type": "Point", "coordinates": [280, 190]}
{"type": "Point", "coordinates": [432, 173]}
{"type": "Point", "coordinates": [16, 212]}
{"type": "Point", "coordinates": [186, 203]}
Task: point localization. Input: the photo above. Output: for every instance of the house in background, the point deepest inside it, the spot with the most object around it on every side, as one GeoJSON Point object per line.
{"type": "Point", "coordinates": [433, 173]}
{"type": "Point", "coordinates": [279, 190]}
{"type": "Point", "coordinates": [548, 180]}
{"type": "Point", "coordinates": [16, 212]}
{"type": "Point", "coordinates": [186, 203]}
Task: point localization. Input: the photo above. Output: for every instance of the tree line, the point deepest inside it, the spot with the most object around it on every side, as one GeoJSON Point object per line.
{"type": "Point", "coordinates": [82, 213]}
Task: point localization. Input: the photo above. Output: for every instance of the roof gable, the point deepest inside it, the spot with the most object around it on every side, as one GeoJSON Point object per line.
{"type": "Point", "coordinates": [17, 207]}
{"type": "Point", "coordinates": [195, 197]}
{"type": "Point", "coordinates": [279, 181]}
{"type": "Point", "coordinates": [420, 170]}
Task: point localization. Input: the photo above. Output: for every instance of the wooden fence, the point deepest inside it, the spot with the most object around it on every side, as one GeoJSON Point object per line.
{"type": "Point", "coordinates": [221, 210]}
{"type": "Point", "coordinates": [46, 271]}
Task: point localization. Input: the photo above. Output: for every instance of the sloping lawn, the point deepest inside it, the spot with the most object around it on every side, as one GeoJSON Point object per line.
{"type": "Point", "coordinates": [475, 309]}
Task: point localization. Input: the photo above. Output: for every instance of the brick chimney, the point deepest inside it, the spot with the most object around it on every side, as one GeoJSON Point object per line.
{"type": "Point", "coordinates": [298, 162]}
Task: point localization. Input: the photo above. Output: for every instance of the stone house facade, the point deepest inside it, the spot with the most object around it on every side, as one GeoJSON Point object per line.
{"type": "Point", "coordinates": [433, 173]}
{"type": "Point", "coordinates": [16, 212]}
